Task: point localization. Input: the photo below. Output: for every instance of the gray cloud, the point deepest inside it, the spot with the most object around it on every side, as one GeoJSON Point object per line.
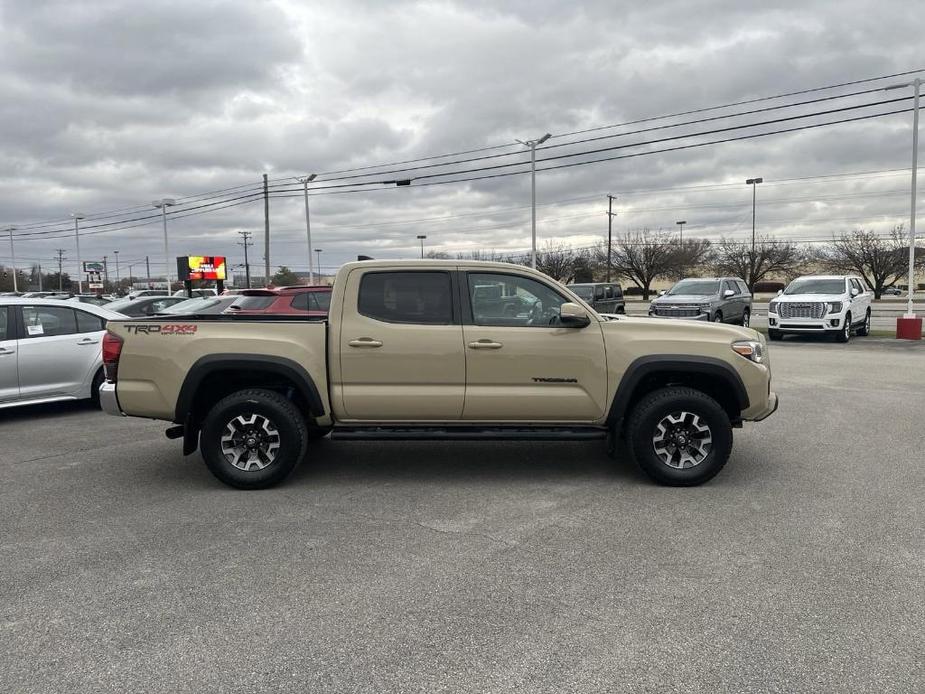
{"type": "Point", "coordinates": [107, 105]}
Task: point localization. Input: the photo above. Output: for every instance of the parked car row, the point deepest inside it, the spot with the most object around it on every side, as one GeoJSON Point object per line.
{"type": "Point", "coordinates": [51, 346]}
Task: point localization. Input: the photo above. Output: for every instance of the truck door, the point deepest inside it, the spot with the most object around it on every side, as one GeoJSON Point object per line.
{"type": "Point", "coordinates": [9, 371]}
{"type": "Point", "coordinates": [401, 347]}
{"type": "Point", "coordinates": [520, 364]}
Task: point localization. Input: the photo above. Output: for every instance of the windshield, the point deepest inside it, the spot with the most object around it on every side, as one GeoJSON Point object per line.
{"type": "Point", "coordinates": [585, 292]}
{"type": "Point", "coordinates": [117, 306]}
{"type": "Point", "coordinates": [695, 287]}
{"type": "Point", "coordinates": [816, 286]}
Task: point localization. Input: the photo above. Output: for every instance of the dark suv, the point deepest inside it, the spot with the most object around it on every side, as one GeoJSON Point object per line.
{"type": "Point", "coordinates": [715, 299]}
{"type": "Point", "coordinates": [603, 297]}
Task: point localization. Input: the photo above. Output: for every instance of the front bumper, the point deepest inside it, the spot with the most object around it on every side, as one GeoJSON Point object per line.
{"type": "Point", "coordinates": [832, 322]}
{"type": "Point", "coordinates": [773, 403]}
{"type": "Point", "coordinates": [109, 403]}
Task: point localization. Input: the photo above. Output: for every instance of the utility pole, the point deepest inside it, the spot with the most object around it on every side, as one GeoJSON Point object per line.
{"type": "Point", "coordinates": [40, 277]}
{"type": "Point", "coordinates": [266, 229]}
{"type": "Point", "coordinates": [533, 144]}
{"type": "Point", "coordinates": [13, 257]}
{"type": "Point", "coordinates": [308, 226]}
{"type": "Point", "coordinates": [245, 241]}
{"type": "Point", "coordinates": [60, 270]}
{"type": "Point", "coordinates": [80, 271]}
{"type": "Point", "coordinates": [105, 270]}
{"type": "Point", "coordinates": [753, 182]}
{"type": "Point", "coordinates": [148, 273]}
{"type": "Point", "coordinates": [610, 215]}
{"type": "Point", "coordinates": [118, 279]}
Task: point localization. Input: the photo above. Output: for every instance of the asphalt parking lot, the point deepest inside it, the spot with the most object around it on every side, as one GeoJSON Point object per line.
{"type": "Point", "coordinates": [479, 567]}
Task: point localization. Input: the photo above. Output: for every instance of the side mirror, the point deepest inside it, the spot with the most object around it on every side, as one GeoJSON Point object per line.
{"type": "Point", "coordinates": [780, 292]}
{"type": "Point", "coordinates": [728, 293]}
{"type": "Point", "coordinates": [854, 291]}
{"type": "Point", "coordinates": [662, 292]}
{"type": "Point", "coordinates": [573, 316]}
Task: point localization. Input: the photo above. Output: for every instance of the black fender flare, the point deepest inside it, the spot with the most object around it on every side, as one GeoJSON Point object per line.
{"type": "Point", "coordinates": [279, 366]}
{"type": "Point", "coordinates": [653, 363]}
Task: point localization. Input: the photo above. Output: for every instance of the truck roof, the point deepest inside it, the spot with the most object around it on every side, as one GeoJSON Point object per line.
{"type": "Point", "coordinates": [433, 263]}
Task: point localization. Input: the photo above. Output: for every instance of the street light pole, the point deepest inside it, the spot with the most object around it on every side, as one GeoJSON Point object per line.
{"type": "Point", "coordinates": [118, 279]}
{"type": "Point", "coordinates": [610, 216]}
{"type": "Point", "coordinates": [753, 182]}
{"type": "Point", "coordinates": [163, 205]}
{"type": "Point", "coordinates": [916, 84]}
{"type": "Point", "coordinates": [80, 270]}
{"type": "Point", "coordinates": [318, 252]}
{"type": "Point", "coordinates": [421, 238]}
{"type": "Point", "coordinates": [13, 257]}
{"type": "Point", "coordinates": [681, 231]}
{"type": "Point", "coordinates": [532, 144]}
{"type": "Point", "coordinates": [308, 226]}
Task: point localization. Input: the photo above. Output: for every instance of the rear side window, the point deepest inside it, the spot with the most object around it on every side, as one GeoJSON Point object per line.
{"type": "Point", "coordinates": [407, 297]}
{"type": "Point", "coordinates": [300, 302]}
{"type": "Point", "coordinates": [88, 323]}
{"type": "Point", "coordinates": [48, 321]}
{"type": "Point", "coordinates": [254, 303]}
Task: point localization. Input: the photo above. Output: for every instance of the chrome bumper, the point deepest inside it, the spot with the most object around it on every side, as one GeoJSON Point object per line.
{"type": "Point", "coordinates": [109, 403]}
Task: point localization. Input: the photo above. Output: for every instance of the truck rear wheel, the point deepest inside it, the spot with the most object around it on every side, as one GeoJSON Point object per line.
{"type": "Point", "coordinates": [253, 438]}
{"type": "Point", "coordinates": [679, 436]}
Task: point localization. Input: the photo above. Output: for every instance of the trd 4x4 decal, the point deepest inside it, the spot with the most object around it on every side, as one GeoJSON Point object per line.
{"type": "Point", "coordinates": [163, 329]}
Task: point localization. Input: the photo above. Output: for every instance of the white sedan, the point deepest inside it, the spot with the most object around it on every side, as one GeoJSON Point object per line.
{"type": "Point", "coordinates": [50, 350]}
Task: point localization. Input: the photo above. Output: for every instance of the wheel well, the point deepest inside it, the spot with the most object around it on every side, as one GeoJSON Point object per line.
{"type": "Point", "coordinates": [717, 388]}
{"type": "Point", "coordinates": [220, 383]}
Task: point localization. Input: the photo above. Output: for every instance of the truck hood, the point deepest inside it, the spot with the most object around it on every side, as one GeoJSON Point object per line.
{"type": "Point", "coordinates": [658, 328]}
{"type": "Point", "coordinates": [808, 298]}
{"type": "Point", "coordinates": [684, 299]}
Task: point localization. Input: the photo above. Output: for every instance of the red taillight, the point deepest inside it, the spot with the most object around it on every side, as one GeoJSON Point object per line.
{"type": "Point", "coordinates": [112, 348]}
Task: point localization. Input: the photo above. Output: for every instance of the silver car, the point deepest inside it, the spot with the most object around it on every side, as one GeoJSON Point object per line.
{"type": "Point", "coordinates": [50, 350]}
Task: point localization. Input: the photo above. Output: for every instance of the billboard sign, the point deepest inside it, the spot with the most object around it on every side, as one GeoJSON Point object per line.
{"type": "Point", "coordinates": [94, 266]}
{"type": "Point", "coordinates": [201, 267]}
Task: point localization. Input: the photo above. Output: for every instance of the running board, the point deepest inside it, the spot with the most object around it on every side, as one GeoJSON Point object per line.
{"type": "Point", "coordinates": [345, 432]}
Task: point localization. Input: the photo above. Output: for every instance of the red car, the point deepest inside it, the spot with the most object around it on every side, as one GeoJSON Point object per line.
{"type": "Point", "coordinates": [297, 300]}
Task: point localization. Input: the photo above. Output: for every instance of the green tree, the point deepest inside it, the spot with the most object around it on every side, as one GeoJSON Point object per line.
{"type": "Point", "coordinates": [284, 277]}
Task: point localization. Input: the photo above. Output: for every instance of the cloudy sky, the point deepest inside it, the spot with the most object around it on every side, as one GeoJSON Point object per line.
{"type": "Point", "coordinates": [106, 106]}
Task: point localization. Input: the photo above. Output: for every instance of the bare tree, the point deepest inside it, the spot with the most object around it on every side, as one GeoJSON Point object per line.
{"type": "Point", "coordinates": [691, 254]}
{"type": "Point", "coordinates": [557, 261]}
{"type": "Point", "coordinates": [769, 257]}
{"type": "Point", "coordinates": [641, 257]}
{"type": "Point", "coordinates": [880, 260]}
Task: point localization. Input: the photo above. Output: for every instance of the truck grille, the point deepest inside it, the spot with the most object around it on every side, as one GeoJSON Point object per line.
{"type": "Point", "coordinates": [680, 311]}
{"type": "Point", "coordinates": [810, 309]}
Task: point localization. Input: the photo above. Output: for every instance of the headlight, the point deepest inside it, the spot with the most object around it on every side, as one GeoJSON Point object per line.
{"type": "Point", "coordinates": [750, 349]}
{"type": "Point", "coordinates": [772, 307]}
{"type": "Point", "coordinates": [834, 307]}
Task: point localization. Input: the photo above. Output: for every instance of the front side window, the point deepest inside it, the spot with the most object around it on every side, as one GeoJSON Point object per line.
{"type": "Point", "coordinates": [4, 317]}
{"type": "Point", "coordinates": [513, 300]}
{"type": "Point", "coordinates": [48, 321]}
{"type": "Point", "coordinates": [424, 298]}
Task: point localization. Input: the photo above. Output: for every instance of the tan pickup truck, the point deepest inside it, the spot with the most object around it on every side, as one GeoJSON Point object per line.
{"type": "Point", "coordinates": [440, 350]}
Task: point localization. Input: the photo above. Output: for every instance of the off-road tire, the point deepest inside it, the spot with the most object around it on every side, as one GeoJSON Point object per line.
{"type": "Point", "coordinates": [643, 427]}
{"type": "Point", "coordinates": [864, 330]}
{"type": "Point", "coordinates": [279, 412]}
{"type": "Point", "coordinates": [718, 317]}
{"type": "Point", "coordinates": [746, 318]}
{"type": "Point", "coordinates": [844, 334]}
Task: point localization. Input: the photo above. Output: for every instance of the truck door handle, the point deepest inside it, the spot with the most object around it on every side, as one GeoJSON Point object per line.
{"type": "Point", "coordinates": [485, 344]}
{"type": "Point", "coordinates": [365, 342]}
{"type": "Point", "coordinates": [4, 350]}
{"type": "Point", "coordinates": [88, 341]}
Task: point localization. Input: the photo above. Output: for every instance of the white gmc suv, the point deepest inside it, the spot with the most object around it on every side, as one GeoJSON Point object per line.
{"type": "Point", "coordinates": [828, 304]}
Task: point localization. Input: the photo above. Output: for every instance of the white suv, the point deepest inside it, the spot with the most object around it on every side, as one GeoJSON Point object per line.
{"type": "Point", "coordinates": [830, 304]}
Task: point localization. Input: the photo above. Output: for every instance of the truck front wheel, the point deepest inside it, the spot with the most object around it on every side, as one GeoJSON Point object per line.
{"type": "Point", "coordinates": [253, 438]}
{"type": "Point", "coordinates": [679, 436]}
